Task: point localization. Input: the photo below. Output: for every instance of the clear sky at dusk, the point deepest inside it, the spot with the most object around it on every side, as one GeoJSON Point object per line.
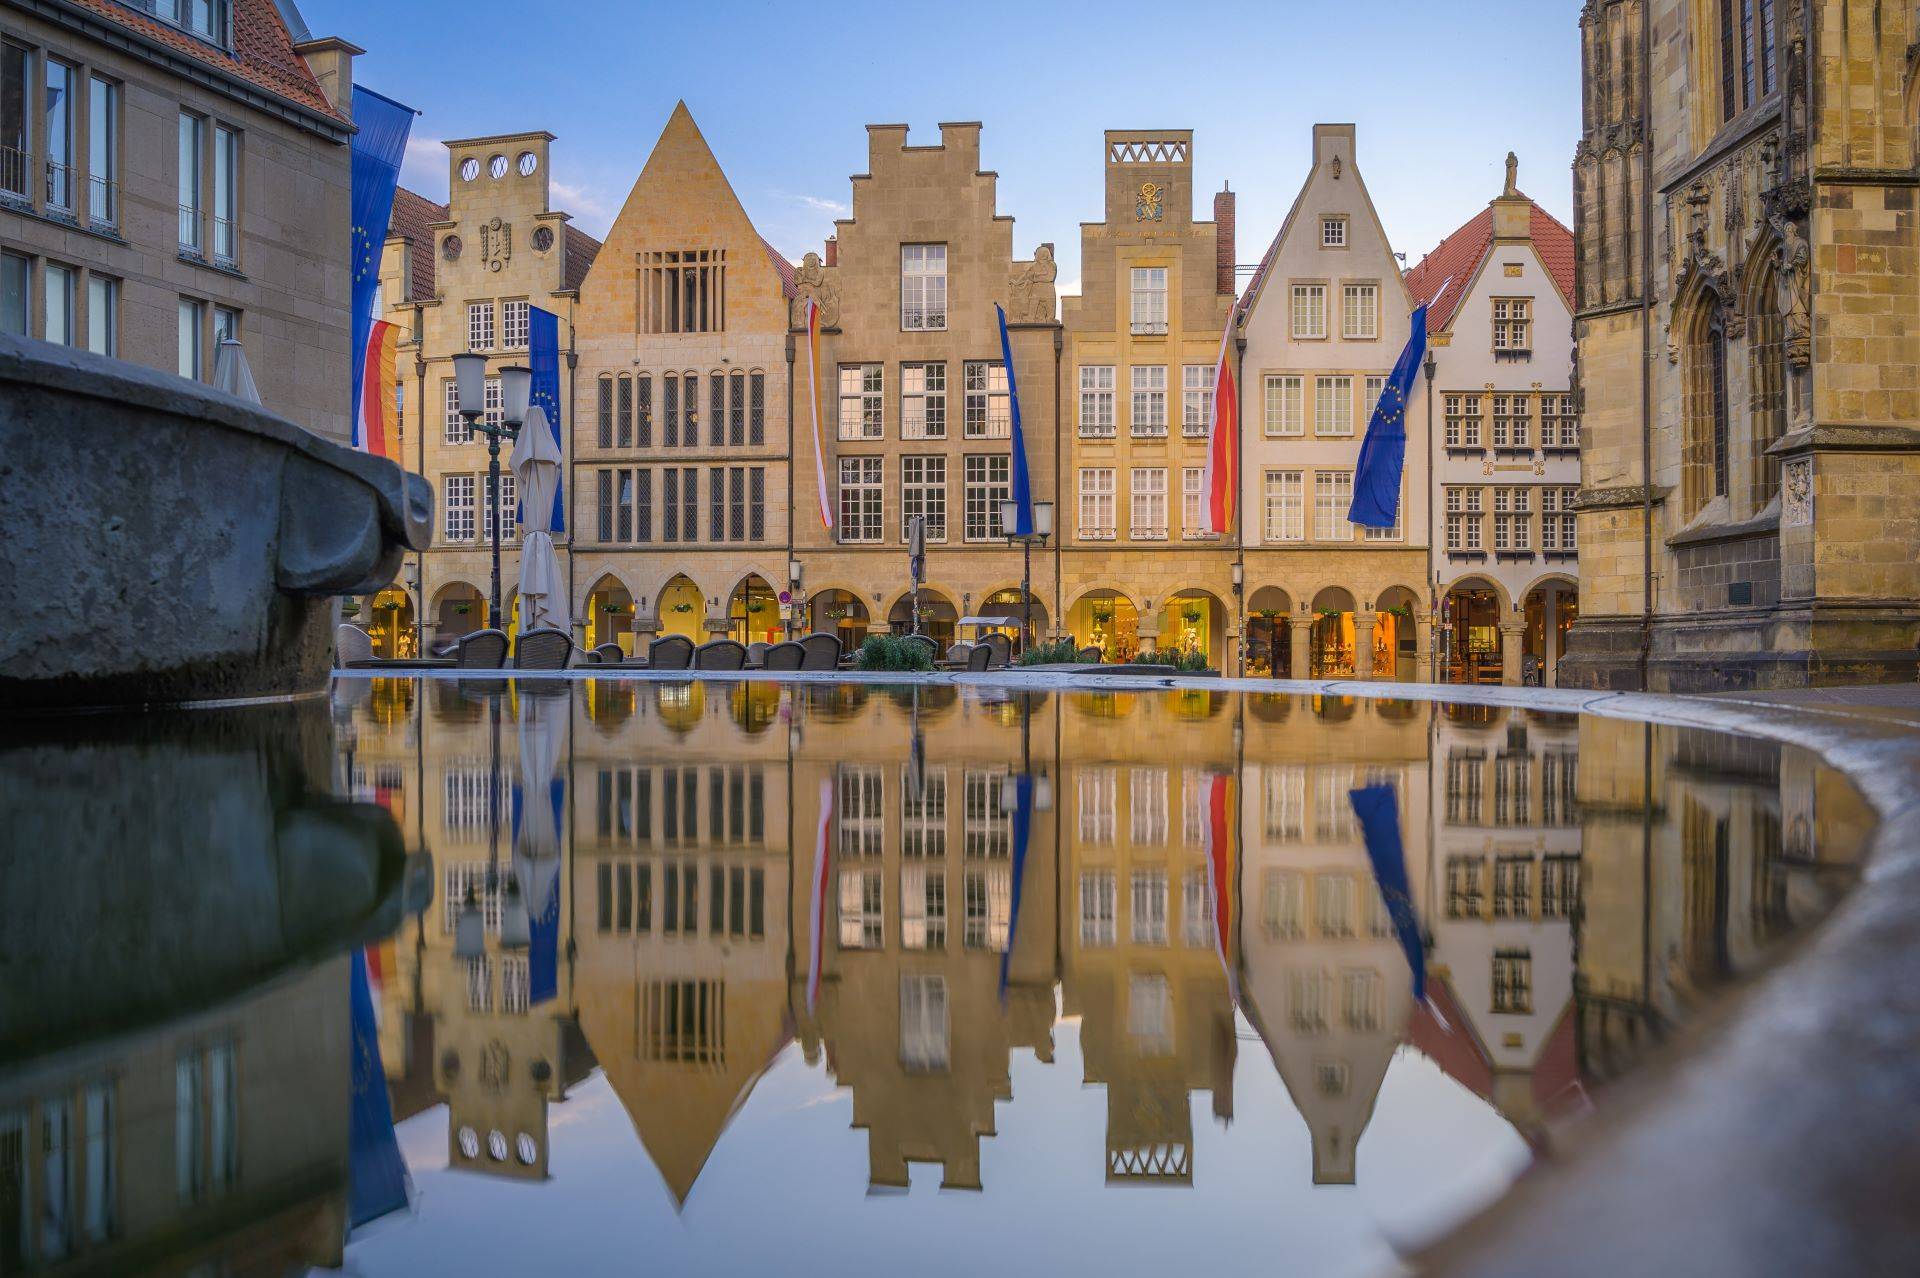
{"type": "Point", "coordinates": [1441, 90]}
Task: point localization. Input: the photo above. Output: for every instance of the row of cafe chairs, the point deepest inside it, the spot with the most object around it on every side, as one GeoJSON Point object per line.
{"type": "Point", "coordinates": [552, 649]}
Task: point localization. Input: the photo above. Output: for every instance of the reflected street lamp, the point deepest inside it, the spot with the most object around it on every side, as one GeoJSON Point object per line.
{"type": "Point", "coordinates": [470, 394]}
{"type": "Point", "coordinates": [1042, 529]}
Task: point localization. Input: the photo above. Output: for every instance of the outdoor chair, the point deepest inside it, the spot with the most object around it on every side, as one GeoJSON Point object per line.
{"type": "Point", "coordinates": [757, 654]}
{"type": "Point", "coordinates": [610, 654]}
{"type": "Point", "coordinates": [958, 653]}
{"type": "Point", "coordinates": [544, 649]}
{"type": "Point", "coordinates": [720, 654]}
{"type": "Point", "coordinates": [1001, 647]}
{"type": "Point", "coordinates": [351, 644]}
{"type": "Point", "coordinates": [670, 652]}
{"type": "Point", "coordinates": [823, 652]}
{"type": "Point", "coordinates": [482, 650]}
{"type": "Point", "coordinates": [785, 656]}
{"type": "Point", "coordinates": [1091, 655]}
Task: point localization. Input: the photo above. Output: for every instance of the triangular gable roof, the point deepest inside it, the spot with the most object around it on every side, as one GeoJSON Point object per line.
{"type": "Point", "coordinates": [1251, 296]}
{"type": "Point", "coordinates": [1460, 256]}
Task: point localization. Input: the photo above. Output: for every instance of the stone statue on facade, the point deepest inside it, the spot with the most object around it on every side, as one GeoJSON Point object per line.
{"type": "Point", "coordinates": [1513, 177]}
{"type": "Point", "coordinates": [1793, 292]}
{"type": "Point", "coordinates": [811, 280]}
{"type": "Point", "coordinates": [1032, 300]}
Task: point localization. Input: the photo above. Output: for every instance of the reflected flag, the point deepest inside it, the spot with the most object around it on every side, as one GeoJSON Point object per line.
{"type": "Point", "coordinates": [1222, 484]}
{"type": "Point", "coordinates": [543, 358]}
{"type": "Point", "coordinates": [378, 1181]}
{"type": "Point", "coordinates": [1223, 856]}
{"type": "Point", "coordinates": [1021, 489]}
{"type": "Point", "coordinates": [811, 309]}
{"type": "Point", "coordinates": [1378, 811]}
{"type": "Point", "coordinates": [1022, 827]}
{"type": "Point", "coordinates": [381, 126]}
{"type": "Point", "coordinates": [817, 943]}
{"type": "Point", "coordinates": [1383, 453]}
{"type": "Point", "coordinates": [376, 423]}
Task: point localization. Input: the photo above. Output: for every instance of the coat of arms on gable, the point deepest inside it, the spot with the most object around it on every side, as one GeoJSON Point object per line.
{"type": "Point", "coordinates": [1148, 203]}
{"type": "Point", "coordinates": [496, 244]}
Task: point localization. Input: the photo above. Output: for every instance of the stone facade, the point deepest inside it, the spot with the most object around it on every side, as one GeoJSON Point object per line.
{"type": "Point", "coordinates": [668, 393]}
{"type": "Point", "coordinates": [1748, 240]}
{"type": "Point", "coordinates": [1505, 439]}
{"type": "Point", "coordinates": [912, 394]}
{"type": "Point", "coordinates": [1325, 597]}
{"type": "Point", "coordinates": [103, 250]}
{"type": "Point", "coordinates": [1137, 569]}
{"type": "Point", "coordinates": [497, 248]}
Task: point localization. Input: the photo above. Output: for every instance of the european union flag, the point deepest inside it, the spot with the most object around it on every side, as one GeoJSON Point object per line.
{"type": "Point", "coordinates": [378, 147]}
{"type": "Point", "coordinates": [543, 357]}
{"type": "Point", "coordinates": [1383, 453]}
{"type": "Point", "coordinates": [1022, 489]}
{"type": "Point", "coordinates": [1378, 811]}
{"type": "Point", "coordinates": [377, 1174]}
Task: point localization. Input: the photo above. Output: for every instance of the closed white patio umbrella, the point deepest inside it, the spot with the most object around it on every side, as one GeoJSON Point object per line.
{"type": "Point", "coordinates": [232, 374]}
{"type": "Point", "coordinates": [536, 469]}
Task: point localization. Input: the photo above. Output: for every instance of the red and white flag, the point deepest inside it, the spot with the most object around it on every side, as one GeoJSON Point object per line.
{"type": "Point", "coordinates": [812, 311]}
{"type": "Point", "coordinates": [1223, 441]}
{"type": "Point", "coordinates": [817, 945]}
{"type": "Point", "coordinates": [1222, 848]}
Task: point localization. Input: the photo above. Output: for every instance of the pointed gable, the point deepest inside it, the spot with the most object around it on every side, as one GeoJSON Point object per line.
{"type": "Point", "coordinates": [1460, 255]}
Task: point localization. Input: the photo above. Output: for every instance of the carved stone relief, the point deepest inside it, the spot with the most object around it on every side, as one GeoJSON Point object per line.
{"type": "Point", "coordinates": [1032, 300]}
{"type": "Point", "coordinates": [811, 280]}
{"type": "Point", "coordinates": [496, 244]}
{"type": "Point", "coordinates": [1796, 493]}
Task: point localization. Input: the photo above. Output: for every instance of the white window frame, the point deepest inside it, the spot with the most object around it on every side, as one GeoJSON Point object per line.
{"type": "Point", "coordinates": [1194, 515]}
{"type": "Point", "coordinates": [923, 288]}
{"type": "Point", "coordinates": [1196, 398]}
{"type": "Point", "coordinates": [459, 509]}
{"type": "Point", "coordinates": [1149, 300]}
{"type": "Point", "coordinates": [1096, 401]}
{"type": "Point", "coordinates": [1147, 503]}
{"type": "Point", "coordinates": [1285, 507]}
{"type": "Point", "coordinates": [1308, 313]}
{"type": "Point", "coordinates": [1097, 503]}
{"type": "Point", "coordinates": [1333, 405]}
{"type": "Point", "coordinates": [1333, 232]}
{"type": "Point", "coordinates": [863, 401]}
{"type": "Point", "coordinates": [516, 318]}
{"type": "Point", "coordinates": [988, 478]}
{"type": "Point", "coordinates": [480, 326]}
{"type": "Point", "coordinates": [1360, 312]}
{"type": "Point", "coordinates": [1148, 416]}
{"type": "Point", "coordinates": [987, 406]}
{"type": "Point", "coordinates": [1332, 499]}
{"type": "Point", "coordinates": [923, 494]}
{"type": "Point", "coordinates": [923, 400]}
{"type": "Point", "coordinates": [1284, 405]}
{"type": "Point", "coordinates": [862, 499]}
{"type": "Point", "coordinates": [454, 429]}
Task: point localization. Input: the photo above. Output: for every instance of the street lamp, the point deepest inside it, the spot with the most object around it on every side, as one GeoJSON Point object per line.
{"type": "Point", "coordinates": [1042, 529]}
{"type": "Point", "coordinates": [470, 393]}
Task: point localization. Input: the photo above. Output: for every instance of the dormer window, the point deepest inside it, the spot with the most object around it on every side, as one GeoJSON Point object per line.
{"type": "Point", "coordinates": [208, 19]}
{"type": "Point", "coordinates": [1333, 232]}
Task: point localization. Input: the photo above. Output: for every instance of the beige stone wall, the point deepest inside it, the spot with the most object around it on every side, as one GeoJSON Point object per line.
{"type": "Point", "coordinates": [289, 276]}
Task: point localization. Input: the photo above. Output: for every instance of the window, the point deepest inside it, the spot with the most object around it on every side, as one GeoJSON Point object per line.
{"type": "Point", "coordinates": [716, 409]}
{"type": "Point", "coordinates": [1284, 512]}
{"type": "Point", "coordinates": [1464, 520]}
{"type": "Point", "coordinates": [1512, 421]}
{"type": "Point", "coordinates": [1512, 887]}
{"type": "Point", "coordinates": [1148, 487]}
{"type": "Point", "coordinates": [923, 401]}
{"type": "Point", "coordinates": [862, 816]}
{"type": "Point", "coordinates": [1094, 791]}
{"type": "Point", "coordinates": [987, 479]}
{"type": "Point", "coordinates": [690, 392]}
{"type": "Point", "coordinates": [679, 504]}
{"type": "Point", "coordinates": [1513, 789]}
{"type": "Point", "coordinates": [756, 408]}
{"type": "Point", "coordinates": [1513, 981]}
{"type": "Point", "coordinates": [226, 324]}
{"type": "Point", "coordinates": [226, 195]}
{"type": "Point", "coordinates": [507, 503]}
{"type": "Point", "coordinates": [1098, 894]}
{"type": "Point", "coordinates": [494, 402]}
{"type": "Point", "coordinates": [1309, 1001]}
{"type": "Point", "coordinates": [1147, 806]}
{"type": "Point", "coordinates": [862, 910]}
{"type": "Point", "coordinates": [103, 152]}
{"type": "Point", "coordinates": [480, 326]}
{"type": "Point", "coordinates": [1512, 523]}
{"type": "Point", "coordinates": [1333, 406]}
{"type": "Point", "coordinates": [16, 288]}
{"type": "Point", "coordinates": [1332, 498]}
{"type": "Point", "coordinates": [1147, 904]}
{"type": "Point", "coordinates": [923, 1022]}
{"type": "Point", "coordinates": [513, 324]}
{"type": "Point", "coordinates": [1195, 517]}
{"type": "Point", "coordinates": [1096, 401]}
{"type": "Point", "coordinates": [862, 407]}
{"type": "Point", "coordinates": [1558, 521]}
{"type": "Point", "coordinates": [989, 897]}
{"type": "Point", "coordinates": [204, 18]}
{"type": "Point", "coordinates": [1149, 399]}
{"type": "Point", "coordinates": [1360, 311]}
{"type": "Point", "coordinates": [1196, 398]}
{"type": "Point", "coordinates": [1333, 232]}
{"type": "Point", "coordinates": [1767, 47]}
{"type": "Point", "coordinates": [192, 143]}
{"type": "Point", "coordinates": [1150, 1014]}
{"type": "Point", "coordinates": [684, 291]}
{"type": "Point", "coordinates": [861, 498]}
{"type": "Point", "coordinates": [1283, 904]}
{"type": "Point", "coordinates": [1309, 310]}
{"type": "Point", "coordinates": [1512, 323]}
{"type": "Point", "coordinates": [1559, 424]}
{"type": "Point", "coordinates": [987, 412]}
{"type": "Point", "coordinates": [923, 492]}
{"type": "Point", "coordinates": [1370, 533]}
{"type": "Point", "coordinates": [923, 287]}
{"type": "Point", "coordinates": [1463, 420]}
{"type": "Point", "coordinates": [16, 119]}
{"type": "Point", "coordinates": [455, 426]}
{"type": "Point", "coordinates": [625, 505]}
{"type": "Point", "coordinates": [1559, 886]}
{"type": "Point", "coordinates": [1361, 999]}
{"type": "Point", "coordinates": [1374, 388]}
{"type": "Point", "coordinates": [1149, 299]}
{"type": "Point", "coordinates": [457, 505]}
{"type": "Point", "coordinates": [1285, 410]}
{"type": "Point", "coordinates": [206, 1123]}
{"type": "Point", "coordinates": [1096, 503]}
{"type": "Point", "coordinates": [923, 816]}
{"type": "Point", "coordinates": [192, 317]}
{"type": "Point", "coordinates": [57, 284]}
{"type": "Point", "coordinates": [59, 135]}
{"type": "Point", "coordinates": [103, 315]}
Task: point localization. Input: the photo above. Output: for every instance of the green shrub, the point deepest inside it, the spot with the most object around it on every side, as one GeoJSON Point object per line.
{"type": "Point", "coordinates": [1059, 652]}
{"type": "Point", "coordinates": [893, 652]}
{"type": "Point", "coordinates": [1186, 662]}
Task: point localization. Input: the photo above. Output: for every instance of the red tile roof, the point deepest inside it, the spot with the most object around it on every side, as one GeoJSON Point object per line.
{"type": "Point", "coordinates": [581, 250]}
{"type": "Point", "coordinates": [782, 266]}
{"type": "Point", "coordinates": [263, 53]}
{"type": "Point", "coordinates": [412, 215]}
{"type": "Point", "coordinates": [1459, 256]}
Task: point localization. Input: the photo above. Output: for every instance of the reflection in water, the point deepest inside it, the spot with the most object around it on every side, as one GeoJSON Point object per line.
{"type": "Point", "coordinates": [706, 889]}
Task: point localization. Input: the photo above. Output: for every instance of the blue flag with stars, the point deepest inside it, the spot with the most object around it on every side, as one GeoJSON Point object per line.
{"type": "Point", "coordinates": [1383, 453]}
{"type": "Point", "coordinates": [1021, 489]}
{"type": "Point", "coordinates": [543, 357]}
{"type": "Point", "coordinates": [378, 147]}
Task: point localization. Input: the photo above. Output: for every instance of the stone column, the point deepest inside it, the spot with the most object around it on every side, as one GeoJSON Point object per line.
{"type": "Point", "coordinates": [646, 628]}
{"type": "Point", "coordinates": [1549, 637]}
{"type": "Point", "coordinates": [1363, 624]}
{"type": "Point", "coordinates": [1513, 637]}
{"type": "Point", "coordinates": [717, 627]}
{"type": "Point", "coordinates": [1299, 635]}
{"type": "Point", "coordinates": [880, 626]}
{"type": "Point", "coordinates": [1425, 633]}
{"type": "Point", "coordinates": [1149, 636]}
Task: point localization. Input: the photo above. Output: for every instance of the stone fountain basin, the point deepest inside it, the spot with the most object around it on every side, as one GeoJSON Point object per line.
{"type": "Point", "coordinates": [169, 543]}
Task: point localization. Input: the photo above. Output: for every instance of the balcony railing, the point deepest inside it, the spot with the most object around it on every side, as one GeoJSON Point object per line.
{"type": "Point", "coordinates": [1149, 328]}
{"type": "Point", "coordinates": [59, 186]}
{"type": "Point", "coordinates": [14, 164]}
{"type": "Point", "coordinates": [190, 242]}
{"type": "Point", "coordinates": [223, 241]}
{"type": "Point", "coordinates": [103, 201]}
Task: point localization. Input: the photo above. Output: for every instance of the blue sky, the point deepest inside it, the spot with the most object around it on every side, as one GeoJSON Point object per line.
{"type": "Point", "coordinates": [1441, 90]}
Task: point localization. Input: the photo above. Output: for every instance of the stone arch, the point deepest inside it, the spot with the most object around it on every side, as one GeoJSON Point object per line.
{"type": "Point", "coordinates": [1332, 651]}
{"type": "Point", "coordinates": [680, 608]}
{"type": "Point", "coordinates": [608, 608]}
{"type": "Point", "coordinates": [1270, 627]}
{"type": "Point", "coordinates": [1396, 633]}
{"type": "Point", "coordinates": [1005, 601]}
{"type": "Point", "coordinates": [1700, 326]}
{"type": "Point", "coordinates": [938, 620]}
{"type": "Point", "coordinates": [1194, 619]}
{"type": "Point", "coordinates": [1766, 405]}
{"type": "Point", "coordinates": [841, 611]}
{"type": "Point", "coordinates": [1475, 609]}
{"type": "Point", "coordinates": [753, 610]}
{"type": "Point", "coordinates": [1105, 618]}
{"type": "Point", "coordinates": [458, 608]}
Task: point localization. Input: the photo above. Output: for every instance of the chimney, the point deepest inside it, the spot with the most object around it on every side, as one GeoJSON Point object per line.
{"type": "Point", "coordinates": [1223, 241]}
{"type": "Point", "coordinates": [331, 61]}
{"type": "Point", "coordinates": [833, 250]}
